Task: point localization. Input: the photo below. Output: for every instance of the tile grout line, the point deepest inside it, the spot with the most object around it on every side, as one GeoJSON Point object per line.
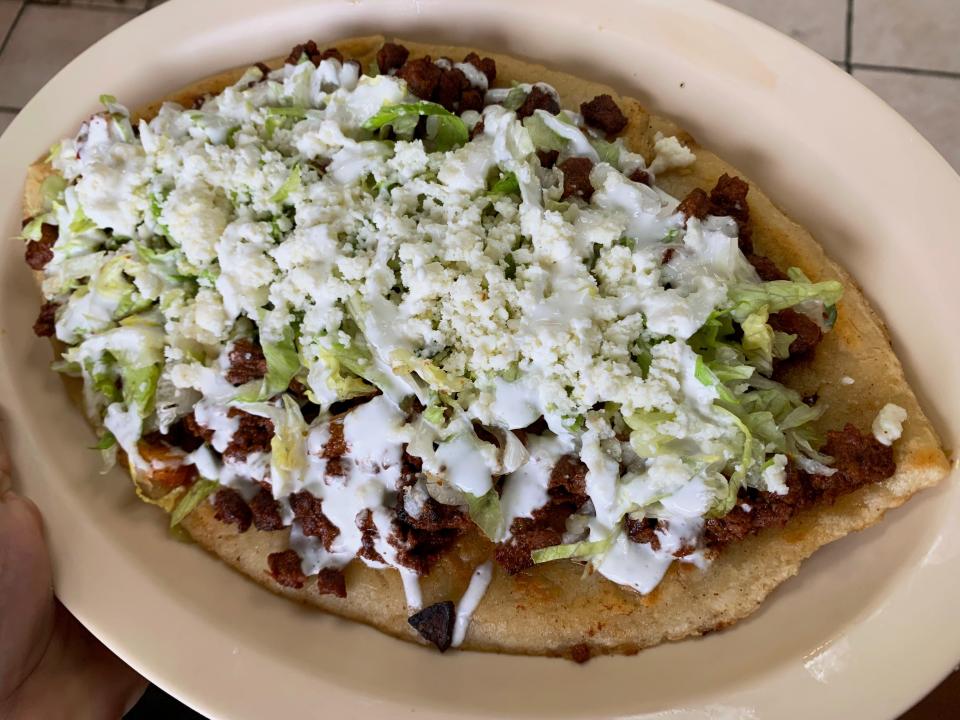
{"type": "Point", "coordinates": [848, 38]}
{"type": "Point", "coordinates": [923, 72]}
{"type": "Point", "coordinates": [13, 26]}
{"type": "Point", "coordinates": [93, 8]}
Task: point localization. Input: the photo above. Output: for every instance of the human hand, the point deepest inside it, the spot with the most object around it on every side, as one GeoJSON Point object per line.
{"type": "Point", "coordinates": [50, 665]}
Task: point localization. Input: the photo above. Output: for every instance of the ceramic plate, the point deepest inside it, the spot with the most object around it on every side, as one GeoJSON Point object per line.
{"type": "Point", "coordinates": [867, 627]}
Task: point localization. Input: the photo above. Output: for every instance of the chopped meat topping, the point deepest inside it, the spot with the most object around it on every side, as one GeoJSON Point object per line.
{"type": "Point", "coordinates": [450, 87]}
{"type": "Point", "coordinates": [566, 493]}
{"type": "Point", "coordinates": [538, 99]}
{"type": "Point", "coordinates": [247, 362]}
{"type": "Point", "coordinates": [329, 53]}
{"type": "Point", "coordinates": [167, 467]}
{"type": "Point", "coordinates": [308, 48]}
{"type": "Point", "coordinates": [331, 581]}
{"type": "Point", "coordinates": [604, 114]}
{"type": "Point", "coordinates": [568, 480]}
{"type": "Point", "coordinates": [433, 515]}
{"type": "Point", "coordinates": [285, 568]}
{"type": "Point", "coordinates": [253, 434]}
{"type": "Point", "coordinates": [640, 176]}
{"type": "Point", "coordinates": [793, 323]}
{"type": "Point", "coordinates": [729, 197]}
{"type": "Point", "coordinates": [196, 430]}
{"type": "Point", "coordinates": [643, 531]}
{"type": "Point", "coordinates": [312, 53]}
{"type": "Point", "coordinates": [368, 536]}
{"type": "Point", "coordinates": [391, 56]}
{"type": "Point", "coordinates": [477, 129]}
{"type": "Point", "coordinates": [421, 75]}
{"type": "Point", "coordinates": [232, 508]}
{"type": "Point", "coordinates": [435, 624]}
{"type": "Point", "coordinates": [309, 513]}
{"type": "Point", "coordinates": [695, 204]}
{"type": "Point", "coordinates": [766, 268]}
{"type": "Point", "coordinates": [486, 65]}
{"type": "Point", "coordinates": [266, 511]}
{"type": "Point", "coordinates": [576, 178]}
{"type": "Point", "coordinates": [859, 460]}
{"type": "Point", "coordinates": [471, 100]}
{"type": "Point", "coordinates": [46, 322]}
{"type": "Point", "coordinates": [39, 252]}
{"type": "Point", "coordinates": [421, 540]}
{"type": "Point", "coordinates": [548, 158]}
{"type": "Point", "coordinates": [336, 445]}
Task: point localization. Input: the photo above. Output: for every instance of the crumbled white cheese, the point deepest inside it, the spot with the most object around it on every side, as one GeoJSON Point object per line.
{"type": "Point", "coordinates": [888, 425]}
{"type": "Point", "coordinates": [275, 211]}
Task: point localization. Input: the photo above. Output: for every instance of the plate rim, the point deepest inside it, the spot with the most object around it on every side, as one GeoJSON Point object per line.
{"type": "Point", "coordinates": [167, 16]}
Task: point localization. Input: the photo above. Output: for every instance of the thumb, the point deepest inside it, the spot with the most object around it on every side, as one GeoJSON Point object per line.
{"type": "Point", "coordinates": [26, 594]}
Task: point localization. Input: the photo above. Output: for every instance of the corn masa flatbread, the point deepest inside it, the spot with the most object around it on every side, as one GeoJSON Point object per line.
{"type": "Point", "coordinates": [555, 609]}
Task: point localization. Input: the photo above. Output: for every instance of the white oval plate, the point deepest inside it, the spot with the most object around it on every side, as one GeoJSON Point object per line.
{"type": "Point", "coordinates": [867, 627]}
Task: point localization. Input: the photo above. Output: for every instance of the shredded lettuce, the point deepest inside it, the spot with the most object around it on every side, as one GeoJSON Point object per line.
{"type": "Point", "coordinates": [448, 130]}
{"type": "Point", "coordinates": [609, 152]}
{"type": "Point", "coordinates": [515, 98]}
{"type": "Point", "coordinates": [583, 549]}
{"type": "Point", "coordinates": [106, 441]}
{"type": "Point", "coordinates": [645, 439]}
{"type": "Point", "coordinates": [542, 135]}
{"type": "Point", "coordinates": [506, 185]}
{"type": "Point", "coordinates": [288, 458]}
{"type": "Point", "coordinates": [198, 492]}
{"type": "Point", "coordinates": [358, 364]}
{"type": "Point", "coordinates": [758, 340]}
{"type": "Point", "coordinates": [776, 295]}
{"type": "Point", "coordinates": [140, 387]}
{"type": "Point", "coordinates": [405, 362]}
{"type": "Point", "coordinates": [81, 223]}
{"type": "Point", "coordinates": [486, 513]}
{"type": "Point", "coordinates": [291, 184]}
{"type": "Point", "coordinates": [283, 362]}
{"type": "Point", "coordinates": [434, 414]}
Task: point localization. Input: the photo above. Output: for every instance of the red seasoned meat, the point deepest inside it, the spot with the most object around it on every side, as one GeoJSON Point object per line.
{"type": "Point", "coordinates": [604, 114]}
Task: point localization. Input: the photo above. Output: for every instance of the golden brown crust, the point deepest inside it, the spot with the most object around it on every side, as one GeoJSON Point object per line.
{"type": "Point", "coordinates": [553, 608]}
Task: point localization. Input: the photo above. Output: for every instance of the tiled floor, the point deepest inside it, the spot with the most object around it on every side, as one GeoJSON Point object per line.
{"type": "Point", "coordinates": [906, 51]}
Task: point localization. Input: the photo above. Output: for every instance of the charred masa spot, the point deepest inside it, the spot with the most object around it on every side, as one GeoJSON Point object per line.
{"type": "Point", "coordinates": [435, 624]}
{"type": "Point", "coordinates": [580, 653]}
